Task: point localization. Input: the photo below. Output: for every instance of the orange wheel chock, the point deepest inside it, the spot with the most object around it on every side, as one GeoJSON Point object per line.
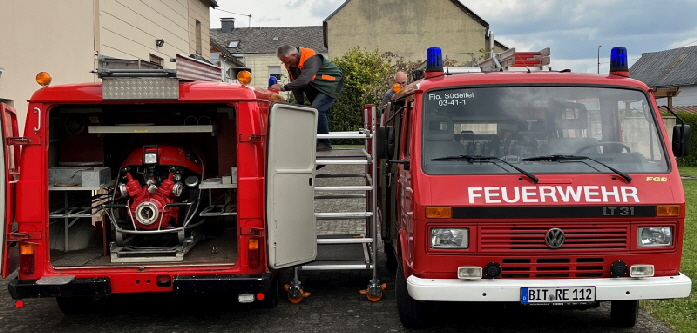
{"type": "Point", "coordinates": [296, 294]}
{"type": "Point", "coordinates": [376, 293]}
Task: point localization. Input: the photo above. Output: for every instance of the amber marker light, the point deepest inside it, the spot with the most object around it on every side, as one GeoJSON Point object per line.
{"type": "Point", "coordinates": [672, 210]}
{"type": "Point", "coordinates": [43, 79]}
{"type": "Point", "coordinates": [439, 212]}
{"type": "Point", "coordinates": [244, 77]}
{"type": "Point", "coordinates": [396, 87]}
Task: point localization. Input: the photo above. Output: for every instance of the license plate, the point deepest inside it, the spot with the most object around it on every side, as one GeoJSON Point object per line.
{"type": "Point", "coordinates": [557, 295]}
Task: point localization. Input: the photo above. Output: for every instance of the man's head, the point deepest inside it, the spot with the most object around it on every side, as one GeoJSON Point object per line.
{"type": "Point", "coordinates": [401, 78]}
{"type": "Point", "coordinates": [288, 55]}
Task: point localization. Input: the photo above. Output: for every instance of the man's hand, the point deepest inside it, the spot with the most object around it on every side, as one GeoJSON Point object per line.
{"type": "Point", "coordinates": [277, 87]}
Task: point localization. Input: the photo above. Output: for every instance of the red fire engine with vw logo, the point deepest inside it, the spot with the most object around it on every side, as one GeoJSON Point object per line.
{"type": "Point", "coordinates": [509, 183]}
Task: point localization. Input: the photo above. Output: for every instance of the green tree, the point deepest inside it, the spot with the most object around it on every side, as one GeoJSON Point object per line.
{"type": "Point", "coordinates": [364, 74]}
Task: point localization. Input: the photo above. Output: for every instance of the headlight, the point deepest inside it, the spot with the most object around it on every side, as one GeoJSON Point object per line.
{"type": "Point", "coordinates": [655, 236]}
{"type": "Point", "coordinates": [450, 238]}
{"type": "Point", "coordinates": [150, 158]}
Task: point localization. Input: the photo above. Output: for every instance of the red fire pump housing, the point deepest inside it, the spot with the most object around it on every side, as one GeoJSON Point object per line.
{"type": "Point", "coordinates": [155, 179]}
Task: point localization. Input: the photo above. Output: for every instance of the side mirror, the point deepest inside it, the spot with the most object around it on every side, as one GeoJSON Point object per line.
{"type": "Point", "coordinates": [681, 140]}
{"type": "Point", "coordinates": [385, 142]}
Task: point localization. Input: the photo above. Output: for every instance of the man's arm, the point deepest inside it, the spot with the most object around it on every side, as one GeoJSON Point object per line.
{"type": "Point", "coordinates": [309, 70]}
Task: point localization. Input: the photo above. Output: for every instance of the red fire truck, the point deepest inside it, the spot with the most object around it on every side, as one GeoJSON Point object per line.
{"type": "Point", "coordinates": [508, 183]}
{"type": "Point", "coordinates": [146, 183]}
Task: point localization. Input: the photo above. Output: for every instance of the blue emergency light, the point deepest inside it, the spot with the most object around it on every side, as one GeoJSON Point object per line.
{"type": "Point", "coordinates": [618, 60]}
{"type": "Point", "coordinates": [272, 80]}
{"type": "Point", "coordinates": [434, 59]}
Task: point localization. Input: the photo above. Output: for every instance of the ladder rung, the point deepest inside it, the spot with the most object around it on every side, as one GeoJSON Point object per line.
{"type": "Point", "coordinates": [319, 266]}
{"type": "Point", "coordinates": [342, 216]}
{"type": "Point", "coordinates": [342, 162]}
{"type": "Point", "coordinates": [345, 135]}
{"type": "Point", "coordinates": [340, 196]}
{"type": "Point", "coordinates": [342, 175]}
{"type": "Point", "coordinates": [343, 188]}
{"type": "Point", "coordinates": [344, 240]}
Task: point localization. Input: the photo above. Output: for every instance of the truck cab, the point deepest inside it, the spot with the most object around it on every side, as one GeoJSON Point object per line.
{"type": "Point", "coordinates": [536, 188]}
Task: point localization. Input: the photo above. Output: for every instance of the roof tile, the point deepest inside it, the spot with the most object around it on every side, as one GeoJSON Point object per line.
{"type": "Point", "coordinates": [268, 39]}
{"type": "Point", "coordinates": [670, 68]}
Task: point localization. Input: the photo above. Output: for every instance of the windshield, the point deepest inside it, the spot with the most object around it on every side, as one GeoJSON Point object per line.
{"type": "Point", "coordinates": [613, 126]}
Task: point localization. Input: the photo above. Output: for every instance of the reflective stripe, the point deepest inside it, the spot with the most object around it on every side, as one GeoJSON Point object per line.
{"type": "Point", "coordinates": [328, 77]}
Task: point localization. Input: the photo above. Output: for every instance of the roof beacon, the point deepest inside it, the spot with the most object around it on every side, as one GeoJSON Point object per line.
{"type": "Point", "coordinates": [618, 62]}
{"type": "Point", "coordinates": [434, 62]}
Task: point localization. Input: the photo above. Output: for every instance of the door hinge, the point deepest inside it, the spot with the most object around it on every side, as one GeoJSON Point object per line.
{"type": "Point", "coordinates": [251, 137]}
{"type": "Point", "coordinates": [21, 236]}
{"type": "Point", "coordinates": [251, 231]}
{"type": "Point", "coordinates": [20, 141]}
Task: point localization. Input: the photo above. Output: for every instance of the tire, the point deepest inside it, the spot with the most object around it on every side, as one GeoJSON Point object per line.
{"type": "Point", "coordinates": [391, 263]}
{"type": "Point", "coordinates": [624, 313]}
{"type": "Point", "coordinates": [412, 313]}
{"type": "Point", "coordinates": [75, 305]}
{"type": "Point", "coordinates": [271, 297]}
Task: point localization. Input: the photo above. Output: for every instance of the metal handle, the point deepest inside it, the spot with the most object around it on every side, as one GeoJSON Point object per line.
{"type": "Point", "coordinates": [38, 124]}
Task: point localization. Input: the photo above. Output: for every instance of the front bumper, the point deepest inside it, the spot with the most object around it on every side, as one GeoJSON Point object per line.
{"type": "Point", "coordinates": [508, 290]}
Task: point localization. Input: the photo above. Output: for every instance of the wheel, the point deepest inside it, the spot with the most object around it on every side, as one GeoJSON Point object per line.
{"type": "Point", "coordinates": [412, 313]}
{"type": "Point", "coordinates": [75, 305]}
{"type": "Point", "coordinates": [624, 313]}
{"type": "Point", "coordinates": [270, 300]}
{"type": "Point", "coordinates": [604, 143]}
{"type": "Point", "coordinates": [391, 257]}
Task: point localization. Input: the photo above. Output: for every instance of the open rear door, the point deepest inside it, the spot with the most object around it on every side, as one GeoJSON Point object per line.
{"type": "Point", "coordinates": [9, 175]}
{"type": "Point", "coordinates": [290, 212]}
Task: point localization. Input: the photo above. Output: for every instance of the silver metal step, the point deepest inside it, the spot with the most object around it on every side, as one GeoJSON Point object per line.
{"type": "Point", "coordinates": [340, 196]}
{"type": "Point", "coordinates": [343, 188]}
{"type": "Point", "coordinates": [344, 240]}
{"type": "Point", "coordinates": [346, 135]}
{"type": "Point", "coordinates": [343, 162]}
{"type": "Point", "coordinates": [329, 265]}
{"type": "Point", "coordinates": [343, 175]}
{"type": "Point", "coordinates": [342, 216]}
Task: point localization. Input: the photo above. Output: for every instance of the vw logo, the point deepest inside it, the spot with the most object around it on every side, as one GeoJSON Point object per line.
{"type": "Point", "coordinates": [555, 238]}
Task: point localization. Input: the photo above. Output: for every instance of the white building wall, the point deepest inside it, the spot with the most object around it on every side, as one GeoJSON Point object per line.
{"type": "Point", "coordinates": [55, 36]}
{"type": "Point", "coordinates": [129, 29]}
{"type": "Point", "coordinates": [199, 10]}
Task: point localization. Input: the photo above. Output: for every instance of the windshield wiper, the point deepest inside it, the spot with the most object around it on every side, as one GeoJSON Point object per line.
{"type": "Point", "coordinates": [577, 158]}
{"type": "Point", "coordinates": [481, 158]}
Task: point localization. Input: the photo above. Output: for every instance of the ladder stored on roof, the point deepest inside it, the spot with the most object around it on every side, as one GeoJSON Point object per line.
{"type": "Point", "coordinates": [358, 248]}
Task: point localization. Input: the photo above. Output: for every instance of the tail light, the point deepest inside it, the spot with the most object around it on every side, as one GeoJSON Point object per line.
{"type": "Point", "coordinates": [26, 258]}
{"type": "Point", "coordinates": [253, 253]}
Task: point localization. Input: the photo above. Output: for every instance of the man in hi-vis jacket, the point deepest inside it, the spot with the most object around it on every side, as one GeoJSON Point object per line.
{"type": "Point", "coordinates": [315, 78]}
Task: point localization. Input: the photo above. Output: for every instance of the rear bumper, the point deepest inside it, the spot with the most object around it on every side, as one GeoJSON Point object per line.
{"type": "Point", "coordinates": [182, 284]}
{"type": "Point", "coordinates": [20, 289]}
{"type": "Point", "coordinates": [508, 290]}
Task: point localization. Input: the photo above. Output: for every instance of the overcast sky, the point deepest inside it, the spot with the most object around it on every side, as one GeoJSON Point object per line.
{"type": "Point", "coordinates": [572, 29]}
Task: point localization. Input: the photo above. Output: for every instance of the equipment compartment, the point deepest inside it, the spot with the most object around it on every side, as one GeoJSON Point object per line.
{"type": "Point", "coordinates": [170, 193]}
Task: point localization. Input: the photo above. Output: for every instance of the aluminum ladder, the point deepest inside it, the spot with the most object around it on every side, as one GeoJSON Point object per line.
{"type": "Point", "coordinates": [366, 244]}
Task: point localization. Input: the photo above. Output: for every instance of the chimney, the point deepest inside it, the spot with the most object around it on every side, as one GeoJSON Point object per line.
{"type": "Point", "coordinates": [227, 25]}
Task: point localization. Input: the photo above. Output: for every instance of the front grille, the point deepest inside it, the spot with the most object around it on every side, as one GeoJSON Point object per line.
{"type": "Point", "coordinates": [531, 238]}
{"type": "Point", "coordinates": [552, 268]}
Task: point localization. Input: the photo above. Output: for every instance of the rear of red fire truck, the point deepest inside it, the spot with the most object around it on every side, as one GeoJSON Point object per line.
{"type": "Point", "coordinates": [145, 183]}
{"type": "Point", "coordinates": [530, 187]}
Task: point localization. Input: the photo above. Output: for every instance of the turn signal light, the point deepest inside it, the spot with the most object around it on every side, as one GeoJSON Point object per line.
{"type": "Point", "coordinates": [43, 79]}
{"type": "Point", "coordinates": [244, 77]}
{"type": "Point", "coordinates": [672, 210]}
{"type": "Point", "coordinates": [396, 87]}
{"type": "Point", "coordinates": [439, 212]}
{"type": "Point", "coordinates": [26, 258]}
{"type": "Point", "coordinates": [253, 252]}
